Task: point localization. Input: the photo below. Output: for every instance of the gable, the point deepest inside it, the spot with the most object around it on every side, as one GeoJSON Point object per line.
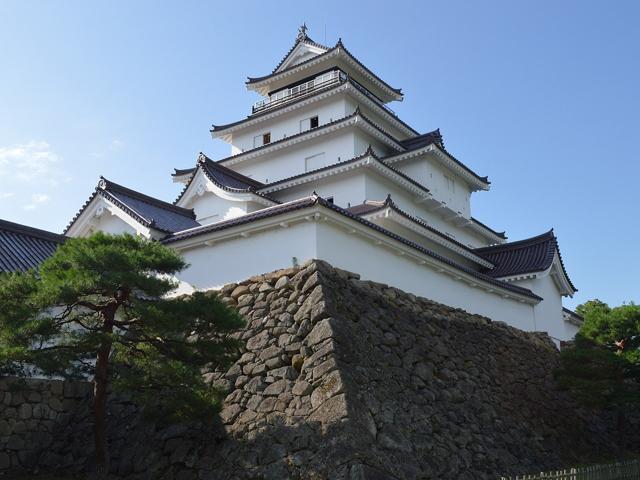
{"type": "Point", "coordinates": [100, 214]}
{"type": "Point", "coordinates": [301, 52]}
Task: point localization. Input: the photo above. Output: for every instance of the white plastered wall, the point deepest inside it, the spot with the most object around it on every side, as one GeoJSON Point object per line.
{"type": "Point", "coordinates": [548, 313]}
{"type": "Point", "coordinates": [378, 187]}
{"type": "Point", "coordinates": [427, 171]}
{"type": "Point", "coordinates": [112, 224]}
{"type": "Point", "coordinates": [239, 258]}
{"type": "Point", "coordinates": [351, 252]}
{"type": "Point", "coordinates": [346, 189]}
{"type": "Point", "coordinates": [287, 125]}
{"type": "Point", "coordinates": [210, 208]}
{"type": "Point", "coordinates": [337, 146]}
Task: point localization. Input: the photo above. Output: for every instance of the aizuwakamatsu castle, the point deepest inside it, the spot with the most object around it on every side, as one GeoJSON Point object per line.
{"type": "Point", "coordinates": [323, 168]}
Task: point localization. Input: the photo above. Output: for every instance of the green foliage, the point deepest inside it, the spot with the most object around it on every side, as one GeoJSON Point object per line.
{"type": "Point", "coordinates": [602, 369]}
{"type": "Point", "coordinates": [53, 321]}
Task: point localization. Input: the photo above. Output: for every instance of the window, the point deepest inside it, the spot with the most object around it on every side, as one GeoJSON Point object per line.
{"type": "Point", "coordinates": [314, 162]}
{"type": "Point", "coordinates": [451, 185]}
{"type": "Point", "coordinates": [262, 139]}
{"type": "Point", "coordinates": [329, 199]}
{"type": "Point", "coordinates": [308, 123]}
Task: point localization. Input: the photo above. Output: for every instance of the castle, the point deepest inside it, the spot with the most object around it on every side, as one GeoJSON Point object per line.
{"type": "Point", "coordinates": [323, 168]}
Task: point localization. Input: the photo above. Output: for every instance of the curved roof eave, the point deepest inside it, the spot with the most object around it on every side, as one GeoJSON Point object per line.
{"type": "Point", "coordinates": [309, 202]}
{"type": "Point", "coordinates": [396, 93]}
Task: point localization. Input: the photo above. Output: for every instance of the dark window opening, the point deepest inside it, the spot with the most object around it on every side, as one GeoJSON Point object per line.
{"type": "Point", "coordinates": [313, 122]}
{"type": "Point", "coordinates": [266, 138]}
{"type": "Point", "coordinates": [329, 199]}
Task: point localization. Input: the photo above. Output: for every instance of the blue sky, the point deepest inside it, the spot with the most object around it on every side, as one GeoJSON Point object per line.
{"type": "Point", "coordinates": [541, 96]}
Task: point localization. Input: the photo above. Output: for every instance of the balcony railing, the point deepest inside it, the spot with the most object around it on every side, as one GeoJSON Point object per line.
{"type": "Point", "coordinates": [310, 87]}
{"type": "Point", "coordinates": [297, 91]}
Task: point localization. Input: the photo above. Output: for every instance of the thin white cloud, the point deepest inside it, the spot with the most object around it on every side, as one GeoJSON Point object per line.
{"type": "Point", "coordinates": [116, 144]}
{"type": "Point", "coordinates": [40, 198]}
{"type": "Point", "coordinates": [37, 199]}
{"type": "Point", "coordinates": [29, 162]}
{"type": "Point", "coordinates": [29, 174]}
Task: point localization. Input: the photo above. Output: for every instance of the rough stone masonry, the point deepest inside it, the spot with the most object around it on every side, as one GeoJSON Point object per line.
{"type": "Point", "coordinates": [340, 379]}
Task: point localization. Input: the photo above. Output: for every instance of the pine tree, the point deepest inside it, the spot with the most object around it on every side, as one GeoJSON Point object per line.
{"type": "Point", "coordinates": [99, 308]}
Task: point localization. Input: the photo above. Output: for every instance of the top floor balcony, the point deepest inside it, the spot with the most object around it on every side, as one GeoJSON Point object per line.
{"type": "Point", "coordinates": [308, 88]}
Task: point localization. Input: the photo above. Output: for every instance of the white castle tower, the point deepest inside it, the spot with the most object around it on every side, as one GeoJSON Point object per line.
{"type": "Point", "coordinates": [323, 168]}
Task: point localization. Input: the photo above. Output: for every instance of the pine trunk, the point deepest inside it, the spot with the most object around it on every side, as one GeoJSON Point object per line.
{"type": "Point", "coordinates": [100, 382]}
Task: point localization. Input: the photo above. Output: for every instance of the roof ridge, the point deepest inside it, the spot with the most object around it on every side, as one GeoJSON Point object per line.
{"type": "Point", "coordinates": [339, 45]}
{"type": "Point", "coordinates": [368, 153]}
{"type": "Point", "coordinates": [31, 231]}
{"type": "Point", "coordinates": [389, 203]}
{"type": "Point", "coordinates": [299, 39]}
{"type": "Point", "coordinates": [286, 139]}
{"type": "Point", "coordinates": [348, 80]}
{"type": "Point", "coordinates": [495, 232]}
{"type": "Point", "coordinates": [307, 202]}
{"type": "Point", "coordinates": [228, 171]}
{"type": "Point", "coordinates": [126, 208]}
{"type": "Point", "coordinates": [107, 185]}
{"type": "Point", "coordinates": [525, 242]}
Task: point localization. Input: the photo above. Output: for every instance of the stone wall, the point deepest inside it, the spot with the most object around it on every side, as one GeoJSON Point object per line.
{"type": "Point", "coordinates": [341, 378]}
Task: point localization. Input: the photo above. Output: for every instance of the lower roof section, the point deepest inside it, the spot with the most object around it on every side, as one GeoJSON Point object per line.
{"type": "Point", "coordinates": [145, 210]}
{"type": "Point", "coordinates": [316, 204]}
{"type": "Point", "coordinates": [531, 255]}
{"type": "Point", "coordinates": [23, 248]}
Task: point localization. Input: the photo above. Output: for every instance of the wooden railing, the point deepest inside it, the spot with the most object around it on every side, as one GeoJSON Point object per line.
{"type": "Point", "coordinates": [612, 471]}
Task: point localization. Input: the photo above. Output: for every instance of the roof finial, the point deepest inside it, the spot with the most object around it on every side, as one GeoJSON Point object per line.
{"type": "Point", "coordinates": [302, 33]}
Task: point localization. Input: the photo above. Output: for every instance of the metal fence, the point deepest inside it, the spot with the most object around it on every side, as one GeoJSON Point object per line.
{"type": "Point", "coordinates": [612, 471]}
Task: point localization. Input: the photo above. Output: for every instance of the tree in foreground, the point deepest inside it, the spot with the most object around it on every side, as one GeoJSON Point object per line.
{"type": "Point", "coordinates": [98, 308]}
{"type": "Point", "coordinates": [602, 368]}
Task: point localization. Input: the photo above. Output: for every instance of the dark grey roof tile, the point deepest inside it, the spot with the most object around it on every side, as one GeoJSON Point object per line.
{"type": "Point", "coordinates": [23, 248]}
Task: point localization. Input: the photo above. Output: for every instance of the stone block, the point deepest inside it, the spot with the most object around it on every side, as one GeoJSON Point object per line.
{"type": "Point", "coordinates": [321, 331]}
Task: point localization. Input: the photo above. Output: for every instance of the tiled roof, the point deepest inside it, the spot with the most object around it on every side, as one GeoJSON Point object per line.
{"type": "Point", "coordinates": [148, 211]}
{"type": "Point", "coordinates": [531, 255]}
{"type": "Point", "coordinates": [374, 206]}
{"type": "Point", "coordinates": [178, 172]}
{"type": "Point", "coordinates": [423, 140]}
{"type": "Point", "coordinates": [301, 39]}
{"type": "Point", "coordinates": [339, 45]}
{"type": "Point", "coordinates": [356, 114]}
{"type": "Point", "coordinates": [573, 314]}
{"type": "Point", "coordinates": [368, 153]}
{"type": "Point", "coordinates": [502, 235]}
{"type": "Point", "coordinates": [228, 178]}
{"type": "Point", "coordinates": [309, 202]}
{"type": "Point", "coordinates": [435, 138]}
{"type": "Point", "coordinates": [222, 177]}
{"type": "Point", "coordinates": [23, 248]}
{"type": "Point", "coordinates": [332, 86]}
{"type": "Point", "coordinates": [369, 206]}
